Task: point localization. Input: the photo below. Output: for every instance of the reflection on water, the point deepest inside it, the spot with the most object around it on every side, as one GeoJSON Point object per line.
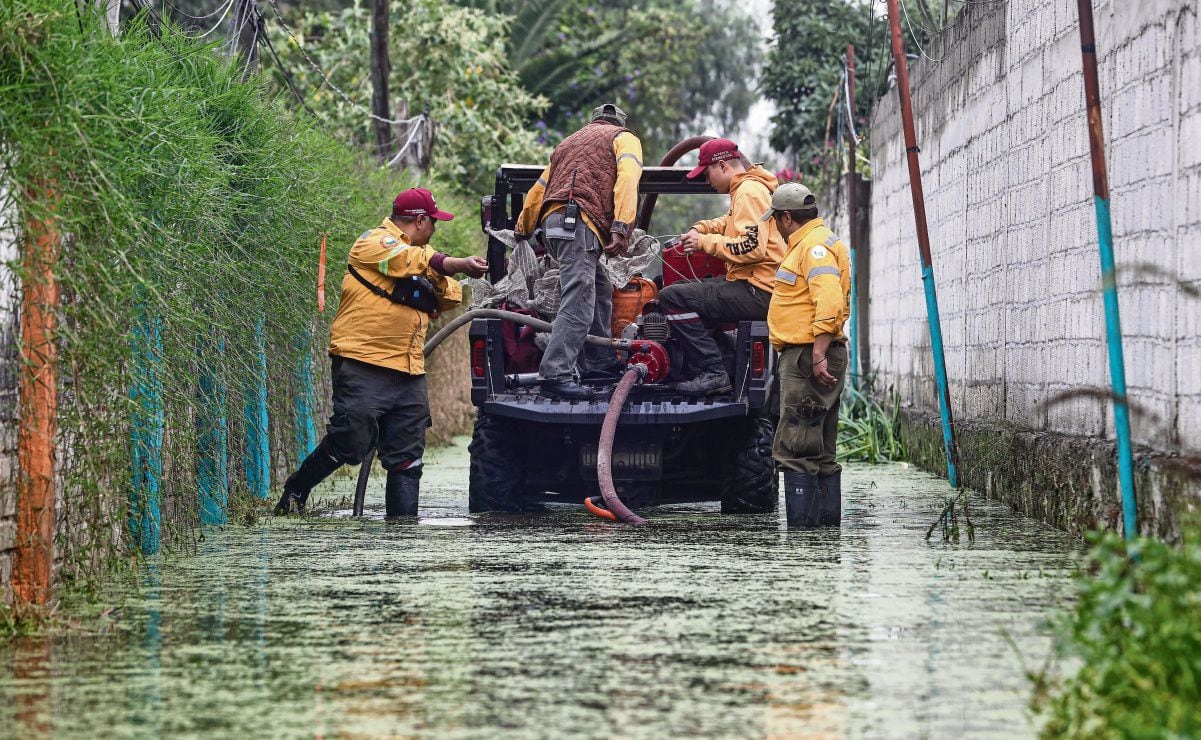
{"type": "Point", "coordinates": [559, 623]}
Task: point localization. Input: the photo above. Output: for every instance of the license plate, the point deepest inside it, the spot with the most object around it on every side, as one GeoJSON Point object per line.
{"type": "Point", "coordinates": [630, 461]}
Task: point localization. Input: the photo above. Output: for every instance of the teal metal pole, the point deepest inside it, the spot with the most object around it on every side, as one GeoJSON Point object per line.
{"type": "Point", "coordinates": [257, 444]}
{"type": "Point", "coordinates": [1109, 283]}
{"type": "Point", "coordinates": [852, 217]}
{"type": "Point", "coordinates": [950, 448]}
{"type": "Point", "coordinates": [146, 432]}
{"type": "Point", "coordinates": [213, 438]}
{"type": "Point", "coordinates": [306, 430]}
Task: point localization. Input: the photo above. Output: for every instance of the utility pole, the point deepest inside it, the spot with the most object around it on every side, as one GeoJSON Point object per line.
{"type": "Point", "coordinates": [1109, 282]}
{"type": "Point", "coordinates": [380, 71]}
{"type": "Point", "coordinates": [852, 213]}
{"type": "Point", "coordinates": [923, 242]}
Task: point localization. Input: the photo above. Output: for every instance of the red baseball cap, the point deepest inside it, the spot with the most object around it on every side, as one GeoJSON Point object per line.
{"type": "Point", "coordinates": [714, 150]}
{"type": "Point", "coordinates": [418, 202]}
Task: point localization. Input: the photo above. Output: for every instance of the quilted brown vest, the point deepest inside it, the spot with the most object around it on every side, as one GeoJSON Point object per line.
{"type": "Point", "coordinates": [589, 154]}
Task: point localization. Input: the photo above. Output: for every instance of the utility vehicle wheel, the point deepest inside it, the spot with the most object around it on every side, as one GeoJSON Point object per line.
{"type": "Point", "coordinates": [496, 479]}
{"type": "Point", "coordinates": [750, 487]}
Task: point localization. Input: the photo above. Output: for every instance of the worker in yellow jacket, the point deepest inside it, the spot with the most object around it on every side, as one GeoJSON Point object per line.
{"type": "Point", "coordinates": [394, 283]}
{"type": "Point", "coordinates": [751, 252]}
{"type": "Point", "coordinates": [809, 307]}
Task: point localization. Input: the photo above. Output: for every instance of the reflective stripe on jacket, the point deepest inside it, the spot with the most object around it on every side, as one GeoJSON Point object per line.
{"type": "Point", "coordinates": [751, 249]}
{"type": "Point", "coordinates": [377, 331]}
{"type": "Point", "coordinates": [813, 287]}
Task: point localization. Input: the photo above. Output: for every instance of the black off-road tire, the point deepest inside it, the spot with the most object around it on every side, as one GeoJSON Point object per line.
{"type": "Point", "coordinates": [496, 481]}
{"type": "Point", "coordinates": [751, 484]}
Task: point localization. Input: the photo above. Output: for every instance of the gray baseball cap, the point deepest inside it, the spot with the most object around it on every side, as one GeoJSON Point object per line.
{"type": "Point", "coordinates": [791, 196]}
{"type": "Point", "coordinates": [609, 112]}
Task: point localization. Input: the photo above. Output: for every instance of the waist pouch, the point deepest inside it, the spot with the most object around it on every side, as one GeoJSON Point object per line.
{"type": "Point", "coordinates": [414, 291]}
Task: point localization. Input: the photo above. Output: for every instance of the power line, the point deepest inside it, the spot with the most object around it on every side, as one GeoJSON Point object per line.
{"type": "Point", "coordinates": [266, 39]}
{"type": "Point", "coordinates": [220, 20]}
{"type": "Point", "coordinates": [185, 14]}
{"type": "Point", "coordinates": [916, 41]}
{"type": "Point", "coordinates": [324, 76]}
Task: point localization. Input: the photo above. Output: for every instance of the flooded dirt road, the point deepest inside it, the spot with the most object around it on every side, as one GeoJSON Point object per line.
{"type": "Point", "coordinates": [561, 624]}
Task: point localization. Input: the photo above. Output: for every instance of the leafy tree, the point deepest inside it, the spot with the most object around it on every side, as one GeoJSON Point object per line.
{"type": "Point", "coordinates": [804, 68]}
{"type": "Point", "coordinates": [675, 67]}
{"type": "Point", "coordinates": [445, 59]}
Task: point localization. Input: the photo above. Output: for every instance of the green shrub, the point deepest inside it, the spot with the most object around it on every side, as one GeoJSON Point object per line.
{"type": "Point", "coordinates": [867, 431]}
{"type": "Point", "coordinates": [1136, 634]}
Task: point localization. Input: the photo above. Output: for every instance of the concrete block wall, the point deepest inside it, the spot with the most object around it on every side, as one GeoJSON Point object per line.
{"type": "Point", "coordinates": [1005, 161]}
{"type": "Point", "coordinates": [9, 359]}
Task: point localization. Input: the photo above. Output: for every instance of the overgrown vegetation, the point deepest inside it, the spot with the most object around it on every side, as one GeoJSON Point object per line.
{"type": "Point", "coordinates": [449, 61]}
{"type": "Point", "coordinates": [804, 74]}
{"type": "Point", "coordinates": [191, 206]}
{"type": "Point", "coordinates": [868, 431]}
{"type": "Point", "coordinates": [1136, 635]}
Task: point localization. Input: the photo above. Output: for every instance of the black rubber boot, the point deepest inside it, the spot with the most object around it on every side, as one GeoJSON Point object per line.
{"type": "Point", "coordinates": [831, 499]}
{"type": "Point", "coordinates": [315, 468]}
{"type": "Point", "coordinates": [802, 499]}
{"type": "Point", "coordinates": [706, 383]}
{"type": "Point", "coordinates": [400, 494]}
{"type": "Point", "coordinates": [566, 390]}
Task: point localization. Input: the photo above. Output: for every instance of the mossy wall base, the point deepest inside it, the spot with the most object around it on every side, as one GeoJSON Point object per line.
{"type": "Point", "coordinates": [1066, 481]}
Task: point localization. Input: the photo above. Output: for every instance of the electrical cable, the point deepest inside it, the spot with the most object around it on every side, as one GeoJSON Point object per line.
{"type": "Point", "coordinates": [266, 39]}
{"type": "Point", "coordinates": [317, 68]}
{"type": "Point", "coordinates": [193, 17]}
{"type": "Point", "coordinates": [219, 20]}
{"type": "Point", "coordinates": [917, 42]}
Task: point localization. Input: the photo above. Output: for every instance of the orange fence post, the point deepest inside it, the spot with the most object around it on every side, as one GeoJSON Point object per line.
{"type": "Point", "coordinates": [38, 407]}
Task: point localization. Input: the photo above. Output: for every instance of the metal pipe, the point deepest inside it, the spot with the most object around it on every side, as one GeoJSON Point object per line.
{"type": "Point", "coordinates": [1109, 283]}
{"type": "Point", "coordinates": [673, 155]}
{"type": "Point", "coordinates": [852, 215]}
{"type": "Point", "coordinates": [923, 242]}
{"type": "Point", "coordinates": [38, 394]}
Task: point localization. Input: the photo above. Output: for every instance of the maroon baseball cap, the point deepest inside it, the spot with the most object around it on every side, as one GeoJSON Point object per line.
{"type": "Point", "coordinates": [418, 202]}
{"type": "Point", "coordinates": [714, 150]}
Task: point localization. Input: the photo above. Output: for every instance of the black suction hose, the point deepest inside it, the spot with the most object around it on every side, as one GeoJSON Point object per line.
{"type": "Point", "coordinates": [520, 318]}
{"type": "Point", "coordinates": [360, 491]}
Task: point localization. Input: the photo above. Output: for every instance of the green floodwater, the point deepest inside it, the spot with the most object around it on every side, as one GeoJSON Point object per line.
{"type": "Point", "coordinates": [561, 624]}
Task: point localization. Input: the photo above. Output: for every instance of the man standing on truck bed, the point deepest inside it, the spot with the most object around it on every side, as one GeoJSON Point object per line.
{"type": "Point", "coordinates": [585, 198]}
{"type": "Point", "coordinates": [393, 284]}
{"type": "Point", "coordinates": [808, 309]}
{"type": "Point", "coordinates": [751, 252]}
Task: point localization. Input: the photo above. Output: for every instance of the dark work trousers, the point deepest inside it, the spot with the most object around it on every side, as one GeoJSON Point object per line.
{"type": "Point", "coordinates": [586, 306]}
{"type": "Point", "coordinates": [695, 309]}
{"type": "Point", "coordinates": [380, 407]}
{"type": "Point", "coordinates": [807, 435]}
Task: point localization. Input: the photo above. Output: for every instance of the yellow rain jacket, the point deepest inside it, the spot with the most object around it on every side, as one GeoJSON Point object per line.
{"type": "Point", "coordinates": [373, 329]}
{"type": "Point", "coordinates": [627, 150]}
{"type": "Point", "coordinates": [751, 249]}
{"type": "Point", "coordinates": [813, 288]}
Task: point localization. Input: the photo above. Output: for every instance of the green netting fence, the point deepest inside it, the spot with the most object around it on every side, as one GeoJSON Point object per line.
{"type": "Point", "coordinates": [191, 206]}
